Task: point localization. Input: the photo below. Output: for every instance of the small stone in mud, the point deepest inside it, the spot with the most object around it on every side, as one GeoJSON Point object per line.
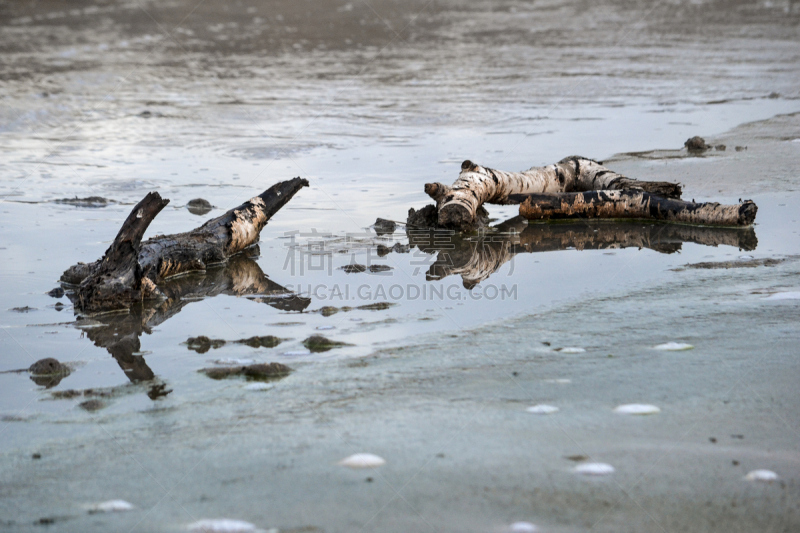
{"type": "Point", "coordinates": [696, 144]}
{"type": "Point", "coordinates": [25, 309]}
{"type": "Point", "coordinates": [377, 306]}
{"type": "Point", "coordinates": [92, 405]}
{"type": "Point", "coordinates": [59, 306]}
{"type": "Point", "coordinates": [741, 148]}
{"type": "Point", "coordinates": [48, 367]}
{"type": "Point", "coordinates": [720, 147]}
{"type": "Point", "coordinates": [36, 456]}
{"type": "Point", "coordinates": [577, 458]}
{"type": "Point", "coordinates": [202, 343]}
{"type": "Point", "coordinates": [318, 343]}
{"type": "Point", "coordinates": [383, 226]}
{"type": "Point", "coordinates": [58, 292]}
{"type": "Point", "coordinates": [265, 341]}
{"type": "Point", "coordinates": [146, 114]}
{"type": "Point", "coordinates": [256, 371]}
{"type": "Point", "coordinates": [199, 206]}
{"type": "Point", "coordinates": [328, 310]}
{"type": "Point", "coordinates": [379, 268]}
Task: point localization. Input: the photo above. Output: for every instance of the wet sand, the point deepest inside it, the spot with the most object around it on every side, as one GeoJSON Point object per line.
{"type": "Point", "coordinates": [438, 389]}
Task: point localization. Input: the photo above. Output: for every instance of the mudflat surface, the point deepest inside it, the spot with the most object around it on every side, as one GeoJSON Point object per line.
{"type": "Point", "coordinates": [369, 101]}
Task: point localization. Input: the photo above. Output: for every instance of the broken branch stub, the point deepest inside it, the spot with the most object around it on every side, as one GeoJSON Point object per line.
{"type": "Point", "coordinates": [633, 204]}
{"type": "Point", "coordinates": [131, 269]}
{"type": "Point", "coordinates": [457, 205]}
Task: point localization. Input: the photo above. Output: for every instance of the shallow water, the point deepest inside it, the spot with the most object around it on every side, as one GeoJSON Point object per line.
{"type": "Point", "coordinates": [368, 102]}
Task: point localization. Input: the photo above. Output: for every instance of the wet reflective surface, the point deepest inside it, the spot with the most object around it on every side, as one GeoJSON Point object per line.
{"type": "Point", "coordinates": [212, 102]}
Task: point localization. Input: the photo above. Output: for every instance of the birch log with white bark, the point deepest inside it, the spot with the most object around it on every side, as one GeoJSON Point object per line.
{"type": "Point", "coordinates": [457, 204]}
{"type": "Point", "coordinates": [633, 204]}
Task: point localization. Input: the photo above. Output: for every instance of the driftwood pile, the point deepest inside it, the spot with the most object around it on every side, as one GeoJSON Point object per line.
{"type": "Point", "coordinates": [132, 270]}
{"type": "Point", "coordinates": [575, 187]}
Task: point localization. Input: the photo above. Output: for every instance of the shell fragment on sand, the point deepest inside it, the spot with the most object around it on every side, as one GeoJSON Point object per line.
{"type": "Point", "coordinates": [794, 295]}
{"type": "Point", "coordinates": [674, 346]}
{"type": "Point", "coordinates": [221, 525]}
{"type": "Point", "coordinates": [542, 409]}
{"type": "Point", "coordinates": [572, 349]}
{"type": "Point", "coordinates": [362, 460]}
{"type": "Point", "coordinates": [594, 469]}
{"type": "Point", "coordinates": [637, 409]}
{"type": "Point", "coordinates": [111, 506]}
{"type": "Point", "coordinates": [761, 475]}
{"type": "Point", "coordinates": [522, 527]}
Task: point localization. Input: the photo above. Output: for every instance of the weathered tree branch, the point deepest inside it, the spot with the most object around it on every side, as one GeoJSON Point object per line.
{"type": "Point", "coordinates": [457, 204]}
{"type": "Point", "coordinates": [632, 204]}
{"type": "Point", "coordinates": [131, 270]}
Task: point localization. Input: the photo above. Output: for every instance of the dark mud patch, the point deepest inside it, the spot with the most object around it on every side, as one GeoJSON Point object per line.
{"type": "Point", "coordinates": [93, 405]}
{"type": "Point", "coordinates": [202, 344]}
{"type": "Point", "coordinates": [318, 343]}
{"type": "Point", "coordinates": [741, 263]}
{"type": "Point", "coordinates": [89, 201]}
{"type": "Point", "coordinates": [25, 309]}
{"type": "Point", "coordinates": [356, 268]}
{"type": "Point", "coordinates": [255, 372]}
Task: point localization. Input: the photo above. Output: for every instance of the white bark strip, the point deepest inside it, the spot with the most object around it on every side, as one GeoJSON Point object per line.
{"type": "Point", "coordinates": [476, 185]}
{"type": "Point", "coordinates": [634, 204]}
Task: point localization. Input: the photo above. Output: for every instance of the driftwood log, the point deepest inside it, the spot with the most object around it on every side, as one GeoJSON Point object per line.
{"type": "Point", "coordinates": [458, 204]}
{"type": "Point", "coordinates": [131, 270]}
{"type": "Point", "coordinates": [632, 204]}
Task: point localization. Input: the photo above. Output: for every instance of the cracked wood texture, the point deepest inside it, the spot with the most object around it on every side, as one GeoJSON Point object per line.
{"type": "Point", "coordinates": [457, 204]}
{"type": "Point", "coordinates": [130, 270]}
{"type": "Point", "coordinates": [633, 204]}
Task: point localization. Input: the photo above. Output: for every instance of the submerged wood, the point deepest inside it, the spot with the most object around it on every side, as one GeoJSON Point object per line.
{"type": "Point", "coordinates": [458, 204]}
{"type": "Point", "coordinates": [633, 204]}
{"type": "Point", "coordinates": [130, 270]}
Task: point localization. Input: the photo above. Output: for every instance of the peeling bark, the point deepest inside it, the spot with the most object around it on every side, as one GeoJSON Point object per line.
{"type": "Point", "coordinates": [633, 204]}
{"type": "Point", "coordinates": [457, 204]}
{"type": "Point", "coordinates": [131, 270]}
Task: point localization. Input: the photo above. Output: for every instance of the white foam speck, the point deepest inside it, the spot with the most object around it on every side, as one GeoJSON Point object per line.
{"type": "Point", "coordinates": [674, 346]}
{"type": "Point", "coordinates": [111, 506]}
{"type": "Point", "coordinates": [594, 469]}
{"type": "Point", "coordinates": [761, 475]}
{"type": "Point", "coordinates": [523, 527]}
{"type": "Point", "coordinates": [323, 328]}
{"type": "Point", "coordinates": [558, 380]}
{"type": "Point", "coordinates": [784, 296]}
{"type": "Point", "coordinates": [362, 460]}
{"type": "Point", "coordinates": [297, 352]}
{"type": "Point", "coordinates": [542, 409]}
{"type": "Point", "coordinates": [637, 409]}
{"type": "Point", "coordinates": [233, 361]}
{"type": "Point", "coordinates": [221, 525]}
{"type": "Point", "coordinates": [745, 257]}
{"type": "Point", "coordinates": [258, 386]}
{"type": "Point", "coordinates": [572, 349]}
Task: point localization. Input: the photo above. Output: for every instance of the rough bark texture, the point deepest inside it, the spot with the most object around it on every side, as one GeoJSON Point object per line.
{"type": "Point", "coordinates": [131, 270]}
{"type": "Point", "coordinates": [476, 185]}
{"type": "Point", "coordinates": [633, 204]}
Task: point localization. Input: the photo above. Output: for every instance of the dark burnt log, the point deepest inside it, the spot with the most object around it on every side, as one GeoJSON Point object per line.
{"type": "Point", "coordinates": [131, 270]}
{"type": "Point", "coordinates": [117, 281]}
{"type": "Point", "coordinates": [635, 205]}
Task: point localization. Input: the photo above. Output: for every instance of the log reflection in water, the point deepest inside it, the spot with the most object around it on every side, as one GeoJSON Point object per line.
{"type": "Point", "coordinates": [475, 258]}
{"type": "Point", "coordinates": [119, 333]}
